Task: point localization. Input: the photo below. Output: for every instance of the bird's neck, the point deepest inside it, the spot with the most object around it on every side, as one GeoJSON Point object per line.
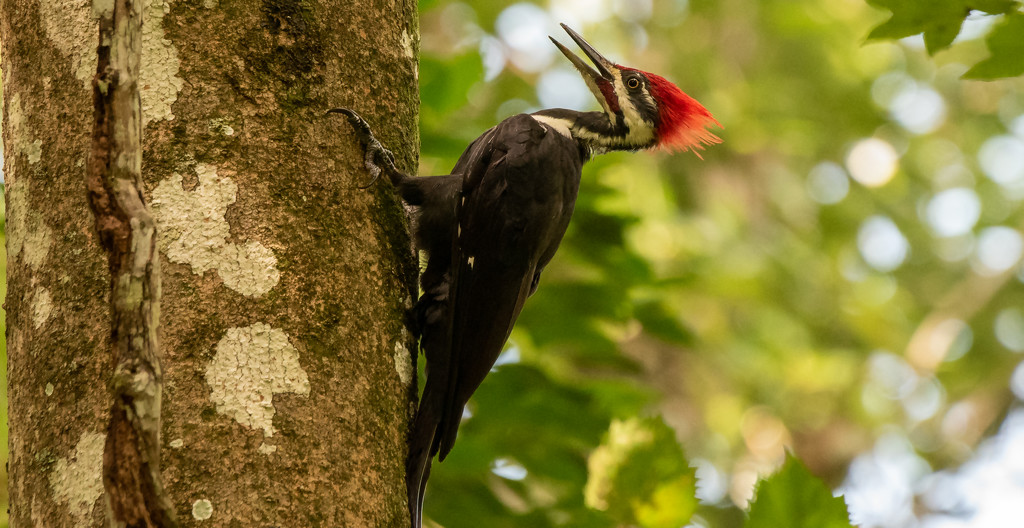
{"type": "Point", "coordinates": [594, 131]}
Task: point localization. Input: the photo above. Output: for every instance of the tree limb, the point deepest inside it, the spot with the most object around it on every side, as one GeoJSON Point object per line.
{"type": "Point", "coordinates": [131, 459]}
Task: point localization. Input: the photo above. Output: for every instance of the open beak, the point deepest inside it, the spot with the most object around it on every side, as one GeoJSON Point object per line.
{"type": "Point", "coordinates": [595, 79]}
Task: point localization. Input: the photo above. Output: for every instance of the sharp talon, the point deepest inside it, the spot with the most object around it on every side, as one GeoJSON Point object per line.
{"type": "Point", "coordinates": [368, 185]}
{"type": "Point", "coordinates": [357, 122]}
{"type": "Point", "coordinates": [371, 146]}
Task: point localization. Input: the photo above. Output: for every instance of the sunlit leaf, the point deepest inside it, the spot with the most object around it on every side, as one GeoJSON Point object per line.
{"type": "Point", "coordinates": [640, 476]}
{"type": "Point", "coordinates": [1006, 48]}
{"type": "Point", "coordinates": [794, 498]}
{"type": "Point", "coordinates": [939, 21]}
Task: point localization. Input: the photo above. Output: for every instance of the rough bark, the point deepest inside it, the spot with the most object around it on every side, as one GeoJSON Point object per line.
{"type": "Point", "coordinates": [288, 381]}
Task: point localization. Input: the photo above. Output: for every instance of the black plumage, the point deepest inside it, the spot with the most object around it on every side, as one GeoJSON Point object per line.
{"type": "Point", "coordinates": [511, 196]}
{"type": "Point", "coordinates": [491, 226]}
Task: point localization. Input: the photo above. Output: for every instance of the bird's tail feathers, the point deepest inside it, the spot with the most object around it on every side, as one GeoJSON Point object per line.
{"type": "Point", "coordinates": [422, 448]}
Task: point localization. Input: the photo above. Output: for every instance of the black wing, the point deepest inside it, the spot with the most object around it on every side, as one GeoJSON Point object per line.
{"type": "Point", "coordinates": [489, 228]}
{"type": "Point", "coordinates": [512, 214]}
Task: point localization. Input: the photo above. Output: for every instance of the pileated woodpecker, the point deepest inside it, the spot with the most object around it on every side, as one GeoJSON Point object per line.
{"type": "Point", "coordinates": [491, 226]}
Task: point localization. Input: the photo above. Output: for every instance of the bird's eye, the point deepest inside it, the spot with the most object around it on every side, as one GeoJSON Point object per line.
{"type": "Point", "coordinates": [633, 83]}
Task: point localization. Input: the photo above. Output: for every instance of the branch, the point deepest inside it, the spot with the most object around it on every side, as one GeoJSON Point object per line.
{"type": "Point", "coordinates": [131, 458]}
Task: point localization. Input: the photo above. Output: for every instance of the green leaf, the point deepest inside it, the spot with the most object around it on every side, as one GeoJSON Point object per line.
{"type": "Point", "coordinates": [659, 322]}
{"type": "Point", "coordinates": [640, 476]}
{"type": "Point", "coordinates": [1006, 51]}
{"type": "Point", "coordinates": [796, 499]}
{"type": "Point", "coordinates": [939, 21]}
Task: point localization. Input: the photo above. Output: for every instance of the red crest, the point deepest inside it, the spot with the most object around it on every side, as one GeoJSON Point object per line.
{"type": "Point", "coordinates": [684, 121]}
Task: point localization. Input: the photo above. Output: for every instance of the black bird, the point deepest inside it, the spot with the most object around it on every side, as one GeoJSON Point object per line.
{"type": "Point", "coordinates": [491, 226]}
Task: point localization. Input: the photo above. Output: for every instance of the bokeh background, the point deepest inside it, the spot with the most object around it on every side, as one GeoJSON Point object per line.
{"type": "Point", "coordinates": [840, 278]}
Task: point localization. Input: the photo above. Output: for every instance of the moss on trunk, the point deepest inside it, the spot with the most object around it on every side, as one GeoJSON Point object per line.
{"type": "Point", "coordinates": [287, 272]}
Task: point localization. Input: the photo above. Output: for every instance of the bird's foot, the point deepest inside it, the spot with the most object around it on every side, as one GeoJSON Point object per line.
{"type": "Point", "coordinates": [378, 158]}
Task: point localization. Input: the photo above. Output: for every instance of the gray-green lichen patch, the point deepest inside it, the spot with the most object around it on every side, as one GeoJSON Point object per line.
{"type": "Point", "coordinates": [27, 234]}
{"type": "Point", "coordinates": [221, 126]}
{"type": "Point", "coordinates": [409, 49]}
{"type": "Point", "coordinates": [25, 228]}
{"type": "Point", "coordinates": [250, 268]}
{"type": "Point", "coordinates": [252, 364]}
{"type": "Point", "coordinates": [103, 8]}
{"type": "Point", "coordinates": [193, 231]}
{"type": "Point", "coordinates": [20, 133]}
{"type": "Point", "coordinates": [72, 27]}
{"type": "Point", "coordinates": [34, 151]}
{"type": "Point", "coordinates": [77, 480]}
{"type": "Point", "coordinates": [407, 42]}
{"type": "Point", "coordinates": [42, 305]}
{"type": "Point", "coordinates": [48, 389]}
{"type": "Point", "coordinates": [159, 83]}
{"type": "Point", "coordinates": [266, 448]}
{"type": "Point", "coordinates": [202, 510]}
{"type": "Point", "coordinates": [177, 443]}
{"type": "Point", "coordinates": [403, 363]}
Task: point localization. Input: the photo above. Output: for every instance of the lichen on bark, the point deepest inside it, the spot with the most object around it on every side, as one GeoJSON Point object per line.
{"type": "Point", "coordinates": [250, 366]}
{"type": "Point", "coordinates": [255, 79]}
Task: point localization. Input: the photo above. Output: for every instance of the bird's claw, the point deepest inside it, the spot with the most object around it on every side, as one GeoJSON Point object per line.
{"type": "Point", "coordinates": [378, 158]}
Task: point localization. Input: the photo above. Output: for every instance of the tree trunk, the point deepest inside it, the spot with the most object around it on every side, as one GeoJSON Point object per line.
{"type": "Point", "coordinates": [288, 382]}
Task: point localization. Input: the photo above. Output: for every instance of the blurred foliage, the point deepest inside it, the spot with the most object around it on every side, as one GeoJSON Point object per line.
{"type": "Point", "coordinates": [795, 499]}
{"type": "Point", "coordinates": [844, 266]}
{"type": "Point", "coordinates": [1006, 51]}
{"type": "Point", "coordinates": [940, 22]}
{"type": "Point", "coordinates": [842, 274]}
{"type": "Point", "coordinates": [640, 477]}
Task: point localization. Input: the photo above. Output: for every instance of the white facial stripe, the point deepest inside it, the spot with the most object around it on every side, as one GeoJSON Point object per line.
{"type": "Point", "coordinates": [641, 132]}
{"type": "Point", "coordinates": [625, 105]}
